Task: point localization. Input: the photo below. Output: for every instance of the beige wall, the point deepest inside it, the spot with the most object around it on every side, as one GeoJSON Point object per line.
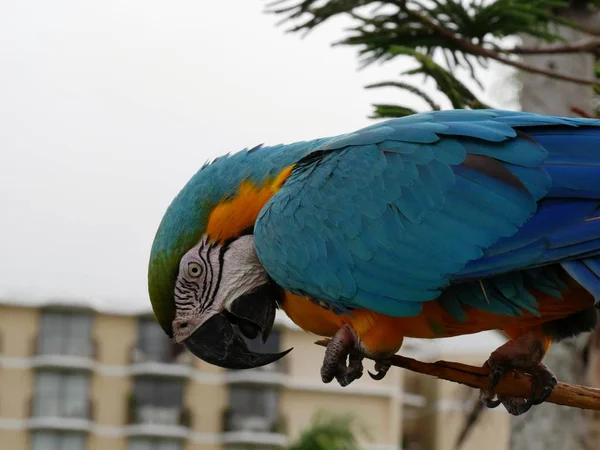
{"type": "Point", "coordinates": [206, 419]}
{"type": "Point", "coordinates": [109, 399]}
{"type": "Point", "coordinates": [449, 405]}
{"type": "Point", "coordinates": [104, 443]}
{"type": "Point", "coordinates": [490, 433]}
{"type": "Point", "coordinates": [16, 389]}
{"type": "Point", "coordinates": [114, 336]}
{"type": "Point", "coordinates": [304, 359]}
{"type": "Point", "coordinates": [18, 330]}
{"type": "Point", "coordinates": [13, 440]}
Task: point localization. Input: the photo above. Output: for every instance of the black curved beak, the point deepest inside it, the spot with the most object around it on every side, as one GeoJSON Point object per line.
{"type": "Point", "coordinates": [219, 340]}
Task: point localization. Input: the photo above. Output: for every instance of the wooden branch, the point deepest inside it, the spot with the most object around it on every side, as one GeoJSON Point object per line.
{"type": "Point", "coordinates": [587, 20]}
{"type": "Point", "coordinates": [581, 112]}
{"type": "Point", "coordinates": [583, 46]}
{"type": "Point", "coordinates": [478, 50]}
{"type": "Point", "coordinates": [513, 384]}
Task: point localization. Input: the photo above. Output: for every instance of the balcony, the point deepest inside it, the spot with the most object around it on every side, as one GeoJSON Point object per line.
{"type": "Point", "coordinates": [175, 362]}
{"type": "Point", "coordinates": [274, 373]}
{"type": "Point", "coordinates": [60, 417]}
{"type": "Point", "coordinates": [156, 421]}
{"type": "Point", "coordinates": [253, 430]}
{"type": "Point", "coordinates": [61, 352]}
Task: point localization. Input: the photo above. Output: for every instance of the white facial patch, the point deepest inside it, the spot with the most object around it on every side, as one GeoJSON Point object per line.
{"type": "Point", "coordinates": [211, 276]}
{"type": "Point", "coordinates": [242, 271]}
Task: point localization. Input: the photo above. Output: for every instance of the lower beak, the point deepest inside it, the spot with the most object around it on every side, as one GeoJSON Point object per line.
{"type": "Point", "coordinates": [218, 343]}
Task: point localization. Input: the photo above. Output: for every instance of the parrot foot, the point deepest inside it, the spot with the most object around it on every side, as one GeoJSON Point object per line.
{"type": "Point", "coordinates": [381, 366]}
{"type": "Point", "coordinates": [524, 354]}
{"type": "Point", "coordinates": [543, 383]}
{"type": "Point", "coordinates": [342, 347]}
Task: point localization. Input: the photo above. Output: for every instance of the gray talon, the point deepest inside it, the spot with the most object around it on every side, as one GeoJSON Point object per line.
{"type": "Point", "coordinates": [489, 399]}
{"type": "Point", "coordinates": [496, 373]}
{"type": "Point", "coordinates": [381, 367]}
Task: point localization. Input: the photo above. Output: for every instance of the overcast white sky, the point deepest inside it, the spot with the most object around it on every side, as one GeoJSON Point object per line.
{"type": "Point", "coordinates": [108, 108]}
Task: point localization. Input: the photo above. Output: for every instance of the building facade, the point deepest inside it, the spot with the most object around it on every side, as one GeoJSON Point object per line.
{"type": "Point", "coordinates": [74, 378]}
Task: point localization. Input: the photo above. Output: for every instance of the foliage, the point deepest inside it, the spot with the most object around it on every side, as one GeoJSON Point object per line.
{"type": "Point", "coordinates": [329, 432]}
{"type": "Point", "coordinates": [461, 33]}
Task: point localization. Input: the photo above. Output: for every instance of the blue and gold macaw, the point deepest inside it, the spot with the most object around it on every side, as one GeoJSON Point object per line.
{"type": "Point", "coordinates": [428, 226]}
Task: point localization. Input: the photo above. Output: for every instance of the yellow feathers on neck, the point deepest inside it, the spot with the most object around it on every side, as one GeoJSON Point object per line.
{"type": "Point", "coordinates": [232, 216]}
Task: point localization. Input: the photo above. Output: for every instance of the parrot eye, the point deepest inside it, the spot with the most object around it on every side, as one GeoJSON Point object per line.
{"type": "Point", "coordinates": [194, 269]}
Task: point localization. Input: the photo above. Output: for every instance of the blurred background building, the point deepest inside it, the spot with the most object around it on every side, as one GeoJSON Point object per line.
{"type": "Point", "coordinates": [74, 378]}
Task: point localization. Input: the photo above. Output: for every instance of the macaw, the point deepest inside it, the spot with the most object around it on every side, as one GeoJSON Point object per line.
{"type": "Point", "coordinates": [428, 226]}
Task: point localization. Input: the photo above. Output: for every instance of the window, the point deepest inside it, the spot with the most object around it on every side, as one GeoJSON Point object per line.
{"type": "Point", "coordinates": [154, 444]}
{"type": "Point", "coordinates": [158, 400]}
{"type": "Point", "coordinates": [253, 408]}
{"type": "Point", "coordinates": [153, 342]}
{"type": "Point", "coordinates": [50, 440]}
{"type": "Point", "coordinates": [164, 392]}
{"type": "Point", "coordinates": [272, 345]}
{"type": "Point", "coordinates": [65, 333]}
{"type": "Point", "coordinates": [61, 394]}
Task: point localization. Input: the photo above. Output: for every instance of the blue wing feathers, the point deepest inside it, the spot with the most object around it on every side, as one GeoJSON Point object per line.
{"type": "Point", "coordinates": [586, 274]}
{"type": "Point", "coordinates": [392, 215]}
{"type": "Point", "coordinates": [520, 151]}
{"type": "Point", "coordinates": [535, 179]}
{"type": "Point", "coordinates": [579, 181]}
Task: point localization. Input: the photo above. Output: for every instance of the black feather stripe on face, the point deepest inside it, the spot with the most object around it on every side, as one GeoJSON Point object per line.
{"type": "Point", "coordinates": [210, 276]}
{"type": "Point", "coordinates": [222, 251]}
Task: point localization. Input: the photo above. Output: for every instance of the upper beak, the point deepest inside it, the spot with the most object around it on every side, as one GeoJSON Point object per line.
{"type": "Point", "coordinates": [218, 341]}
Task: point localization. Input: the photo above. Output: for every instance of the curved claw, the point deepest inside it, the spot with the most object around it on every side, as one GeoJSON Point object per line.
{"type": "Point", "coordinates": [496, 373]}
{"type": "Point", "coordinates": [490, 402]}
{"type": "Point", "coordinates": [382, 367]}
{"type": "Point", "coordinates": [352, 372]}
{"type": "Point", "coordinates": [546, 392]}
{"type": "Point", "coordinates": [376, 376]}
{"type": "Point", "coordinates": [546, 380]}
{"type": "Point", "coordinates": [517, 406]}
{"type": "Point", "coordinates": [488, 397]}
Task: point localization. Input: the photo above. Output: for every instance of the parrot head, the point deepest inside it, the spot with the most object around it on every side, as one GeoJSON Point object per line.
{"type": "Point", "coordinates": [207, 287]}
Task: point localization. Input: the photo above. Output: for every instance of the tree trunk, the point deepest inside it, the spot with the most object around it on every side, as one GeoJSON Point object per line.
{"type": "Point", "coordinates": [592, 362]}
{"type": "Point", "coordinates": [548, 426]}
{"type": "Point", "coordinates": [548, 96]}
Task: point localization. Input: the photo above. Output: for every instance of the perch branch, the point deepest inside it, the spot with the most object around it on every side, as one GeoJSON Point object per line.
{"type": "Point", "coordinates": [585, 45]}
{"type": "Point", "coordinates": [513, 384]}
{"type": "Point", "coordinates": [474, 49]}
